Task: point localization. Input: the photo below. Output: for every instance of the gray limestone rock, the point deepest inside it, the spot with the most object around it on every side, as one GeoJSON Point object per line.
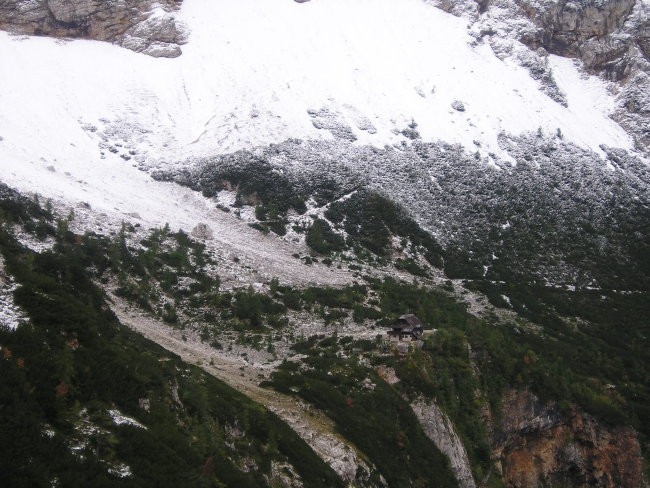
{"type": "Point", "coordinates": [332, 122]}
{"type": "Point", "coordinates": [458, 106]}
{"type": "Point", "coordinates": [610, 37]}
{"type": "Point", "coordinates": [202, 231]}
{"type": "Point", "coordinates": [145, 26]}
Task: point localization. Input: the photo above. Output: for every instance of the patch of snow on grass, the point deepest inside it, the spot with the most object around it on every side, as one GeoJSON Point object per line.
{"type": "Point", "coordinates": [121, 470]}
{"type": "Point", "coordinates": [10, 314]}
{"type": "Point", "coordinates": [120, 419]}
{"type": "Point", "coordinates": [31, 242]}
{"type": "Point", "coordinates": [85, 430]}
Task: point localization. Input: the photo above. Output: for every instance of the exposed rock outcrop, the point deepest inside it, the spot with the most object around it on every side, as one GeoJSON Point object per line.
{"type": "Point", "coordinates": [610, 37]}
{"type": "Point", "coordinates": [536, 445]}
{"type": "Point", "coordinates": [202, 231]}
{"type": "Point", "coordinates": [573, 28]}
{"type": "Point", "coordinates": [332, 122]}
{"type": "Point", "coordinates": [439, 428]}
{"type": "Point", "coordinates": [633, 111]}
{"type": "Point", "coordinates": [145, 26]}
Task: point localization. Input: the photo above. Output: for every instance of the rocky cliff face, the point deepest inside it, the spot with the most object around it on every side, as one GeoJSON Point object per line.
{"type": "Point", "coordinates": [610, 37]}
{"type": "Point", "coordinates": [535, 445]}
{"type": "Point", "coordinates": [140, 25]}
{"type": "Point", "coordinates": [439, 428]}
{"type": "Point", "coordinates": [585, 29]}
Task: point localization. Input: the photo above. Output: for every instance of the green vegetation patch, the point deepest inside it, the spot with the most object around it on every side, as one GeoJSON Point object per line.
{"type": "Point", "coordinates": [371, 219]}
{"type": "Point", "coordinates": [73, 362]}
{"type": "Point", "coordinates": [322, 239]}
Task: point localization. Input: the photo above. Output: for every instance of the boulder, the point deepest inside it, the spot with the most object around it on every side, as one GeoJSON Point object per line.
{"type": "Point", "coordinates": [202, 231]}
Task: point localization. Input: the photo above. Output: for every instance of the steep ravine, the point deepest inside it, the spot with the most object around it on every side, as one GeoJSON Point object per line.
{"type": "Point", "coordinates": [315, 428]}
{"type": "Point", "coordinates": [439, 428]}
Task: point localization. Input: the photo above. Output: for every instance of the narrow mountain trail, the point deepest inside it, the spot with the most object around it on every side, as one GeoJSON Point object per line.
{"type": "Point", "coordinates": [315, 428]}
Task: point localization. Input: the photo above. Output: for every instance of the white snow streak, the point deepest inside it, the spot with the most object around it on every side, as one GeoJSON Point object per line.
{"type": "Point", "coordinates": [121, 419]}
{"type": "Point", "coordinates": [10, 314]}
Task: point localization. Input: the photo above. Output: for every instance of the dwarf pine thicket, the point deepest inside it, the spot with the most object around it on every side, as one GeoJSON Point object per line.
{"type": "Point", "coordinates": [564, 347]}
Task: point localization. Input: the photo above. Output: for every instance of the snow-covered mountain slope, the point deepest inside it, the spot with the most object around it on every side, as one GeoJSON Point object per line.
{"type": "Point", "coordinates": [252, 70]}
{"type": "Point", "coordinates": [80, 118]}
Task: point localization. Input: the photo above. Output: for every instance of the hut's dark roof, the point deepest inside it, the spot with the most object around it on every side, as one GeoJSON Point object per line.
{"type": "Point", "coordinates": [407, 324]}
{"type": "Point", "coordinates": [411, 320]}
